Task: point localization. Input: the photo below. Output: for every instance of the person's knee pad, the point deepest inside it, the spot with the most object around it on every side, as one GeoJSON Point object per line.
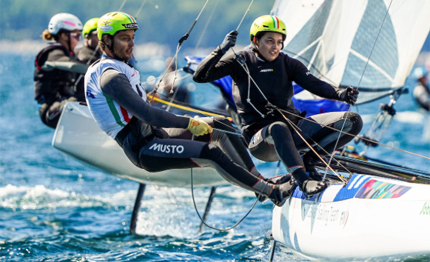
{"type": "Point", "coordinates": [277, 127]}
{"type": "Point", "coordinates": [356, 121]}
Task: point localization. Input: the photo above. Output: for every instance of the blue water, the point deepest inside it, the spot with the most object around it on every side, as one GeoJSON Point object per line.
{"type": "Point", "coordinates": [53, 208]}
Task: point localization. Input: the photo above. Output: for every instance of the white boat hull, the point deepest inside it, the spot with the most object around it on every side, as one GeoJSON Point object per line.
{"type": "Point", "coordinates": [369, 217]}
{"type": "Point", "coordinates": [78, 135]}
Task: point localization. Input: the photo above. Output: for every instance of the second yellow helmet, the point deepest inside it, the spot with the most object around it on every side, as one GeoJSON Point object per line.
{"type": "Point", "coordinates": [267, 23]}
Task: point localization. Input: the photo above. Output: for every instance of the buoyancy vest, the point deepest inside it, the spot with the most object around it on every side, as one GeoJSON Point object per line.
{"type": "Point", "coordinates": [51, 85]}
{"type": "Point", "coordinates": [109, 115]}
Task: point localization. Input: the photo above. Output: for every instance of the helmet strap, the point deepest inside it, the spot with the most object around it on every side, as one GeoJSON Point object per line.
{"type": "Point", "coordinates": [69, 42]}
{"type": "Point", "coordinates": [110, 47]}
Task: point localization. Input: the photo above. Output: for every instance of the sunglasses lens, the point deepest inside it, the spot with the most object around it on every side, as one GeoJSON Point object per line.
{"type": "Point", "coordinates": [77, 36]}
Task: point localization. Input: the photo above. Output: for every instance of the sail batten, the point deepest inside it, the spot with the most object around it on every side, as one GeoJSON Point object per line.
{"type": "Point", "coordinates": [363, 43]}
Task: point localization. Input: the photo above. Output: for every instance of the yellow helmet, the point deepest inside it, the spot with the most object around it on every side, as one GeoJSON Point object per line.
{"type": "Point", "coordinates": [267, 23]}
{"type": "Point", "coordinates": [113, 22]}
{"type": "Point", "coordinates": [90, 26]}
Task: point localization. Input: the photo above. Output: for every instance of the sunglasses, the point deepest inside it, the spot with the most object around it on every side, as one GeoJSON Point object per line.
{"type": "Point", "coordinates": [77, 36]}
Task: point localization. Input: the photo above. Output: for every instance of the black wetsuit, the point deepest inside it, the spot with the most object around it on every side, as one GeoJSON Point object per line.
{"type": "Point", "coordinates": [86, 55]}
{"type": "Point", "coordinates": [54, 88]}
{"type": "Point", "coordinates": [156, 140]}
{"type": "Point", "coordinates": [271, 137]}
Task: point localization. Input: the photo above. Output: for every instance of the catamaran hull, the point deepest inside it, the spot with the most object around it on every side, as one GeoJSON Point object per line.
{"type": "Point", "coordinates": [369, 217]}
{"type": "Point", "coordinates": [78, 135]}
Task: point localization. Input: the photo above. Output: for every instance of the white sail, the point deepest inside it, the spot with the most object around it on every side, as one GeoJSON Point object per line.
{"type": "Point", "coordinates": [356, 43]}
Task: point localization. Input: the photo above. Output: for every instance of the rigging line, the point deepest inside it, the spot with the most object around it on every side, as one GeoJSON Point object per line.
{"type": "Point", "coordinates": [245, 68]}
{"type": "Point", "coordinates": [240, 23]}
{"type": "Point", "coordinates": [173, 85]}
{"type": "Point", "coordinates": [374, 44]}
{"type": "Point", "coordinates": [359, 82]}
{"type": "Point", "coordinates": [246, 12]}
{"type": "Point", "coordinates": [122, 5]}
{"type": "Point", "coordinates": [225, 131]}
{"type": "Point", "coordinates": [346, 133]}
{"type": "Point", "coordinates": [87, 63]}
{"type": "Point", "coordinates": [203, 113]}
{"type": "Point", "coordinates": [178, 48]}
{"type": "Point", "coordinates": [187, 108]}
{"type": "Point", "coordinates": [207, 24]}
{"type": "Point", "coordinates": [311, 148]}
{"type": "Point", "coordinates": [316, 144]}
{"type": "Point", "coordinates": [197, 211]}
{"type": "Point", "coordinates": [243, 17]}
{"type": "Point", "coordinates": [140, 8]}
{"type": "Point", "coordinates": [201, 219]}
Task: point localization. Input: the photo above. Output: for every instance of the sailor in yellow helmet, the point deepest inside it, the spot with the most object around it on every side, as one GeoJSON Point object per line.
{"type": "Point", "coordinates": [89, 53]}
{"type": "Point", "coordinates": [260, 101]}
{"type": "Point", "coordinates": [153, 139]}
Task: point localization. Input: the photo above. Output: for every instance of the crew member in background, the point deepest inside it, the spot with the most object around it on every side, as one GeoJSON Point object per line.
{"type": "Point", "coordinates": [262, 90]}
{"type": "Point", "coordinates": [156, 140]}
{"type": "Point", "coordinates": [173, 88]}
{"type": "Point", "coordinates": [56, 68]}
{"type": "Point", "coordinates": [88, 53]}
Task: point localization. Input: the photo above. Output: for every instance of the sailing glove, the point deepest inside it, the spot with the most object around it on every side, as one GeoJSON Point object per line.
{"type": "Point", "coordinates": [229, 41]}
{"type": "Point", "coordinates": [199, 127]}
{"type": "Point", "coordinates": [348, 95]}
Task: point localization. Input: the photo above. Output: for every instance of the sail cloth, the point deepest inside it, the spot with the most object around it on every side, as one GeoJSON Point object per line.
{"type": "Point", "coordinates": [335, 38]}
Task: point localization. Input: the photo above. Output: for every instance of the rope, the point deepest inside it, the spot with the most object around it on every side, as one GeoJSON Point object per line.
{"type": "Point", "coordinates": [178, 48]}
{"type": "Point", "coordinates": [359, 82]}
{"type": "Point", "coordinates": [140, 8]}
{"type": "Point", "coordinates": [122, 5]}
{"type": "Point", "coordinates": [201, 219]}
{"type": "Point", "coordinates": [243, 64]}
{"type": "Point", "coordinates": [246, 12]}
{"type": "Point", "coordinates": [299, 116]}
{"type": "Point", "coordinates": [206, 25]}
{"type": "Point", "coordinates": [240, 23]}
{"type": "Point", "coordinates": [211, 227]}
{"type": "Point", "coordinates": [363, 138]}
{"type": "Point", "coordinates": [311, 148]}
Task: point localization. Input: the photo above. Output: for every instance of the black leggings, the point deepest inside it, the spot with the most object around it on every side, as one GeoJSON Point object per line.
{"type": "Point", "coordinates": [175, 149]}
{"type": "Point", "coordinates": [278, 141]}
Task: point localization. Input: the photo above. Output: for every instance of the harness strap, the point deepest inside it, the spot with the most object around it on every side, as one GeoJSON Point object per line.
{"type": "Point", "coordinates": [42, 55]}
